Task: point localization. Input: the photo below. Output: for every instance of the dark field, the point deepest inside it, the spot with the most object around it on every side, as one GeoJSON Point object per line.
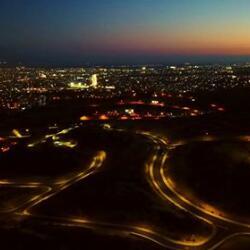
{"type": "Point", "coordinates": [215, 173]}
{"type": "Point", "coordinates": [44, 162]}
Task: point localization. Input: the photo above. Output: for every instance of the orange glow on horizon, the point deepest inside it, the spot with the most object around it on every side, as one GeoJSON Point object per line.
{"type": "Point", "coordinates": [230, 39]}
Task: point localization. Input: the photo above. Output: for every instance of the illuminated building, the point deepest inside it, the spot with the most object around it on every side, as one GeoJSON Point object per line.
{"type": "Point", "coordinates": [79, 85]}
{"type": "Point", "coordinates": [94, 81]}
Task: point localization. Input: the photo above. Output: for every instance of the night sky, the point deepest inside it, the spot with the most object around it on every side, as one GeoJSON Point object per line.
{"type": "Point", "coordinates": [119, 31]}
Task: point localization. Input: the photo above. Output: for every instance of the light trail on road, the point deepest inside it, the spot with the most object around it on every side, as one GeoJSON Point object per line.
{"type": "Point", "coordinates": [91, 169]}
{"type": "Point", "coordinates": [169, 193]}
{"type": "Point", "coordinates": [155, 171]}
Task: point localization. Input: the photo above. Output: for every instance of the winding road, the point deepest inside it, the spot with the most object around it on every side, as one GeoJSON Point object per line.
{"type": "Point", "coordinates": [223, 229]}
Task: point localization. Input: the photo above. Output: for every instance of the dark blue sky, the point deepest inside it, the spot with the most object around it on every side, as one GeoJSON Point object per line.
{"type": "Point", "coordinates": [139, 31]}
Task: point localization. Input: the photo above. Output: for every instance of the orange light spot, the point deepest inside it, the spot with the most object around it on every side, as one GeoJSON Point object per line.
{"type": "Point", "coordinates": [103, 117]}
{"type": "Point", "coordinates": [84, 118]}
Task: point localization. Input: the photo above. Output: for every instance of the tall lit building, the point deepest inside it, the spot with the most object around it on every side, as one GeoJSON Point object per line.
{"type": "Point", "coordinates": [94, 81]}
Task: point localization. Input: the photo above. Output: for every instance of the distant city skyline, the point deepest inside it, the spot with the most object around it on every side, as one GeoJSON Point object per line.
{"type": "Point", "coordinates": [61, 32]}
